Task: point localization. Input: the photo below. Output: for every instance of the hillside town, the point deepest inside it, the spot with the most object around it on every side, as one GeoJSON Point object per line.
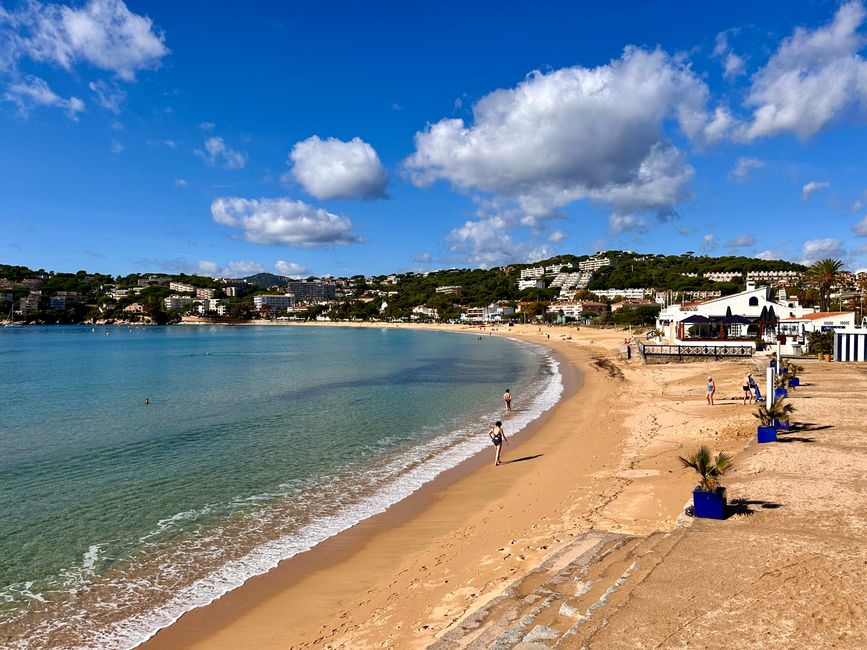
{"type": "Point", "coordinates": [713, 303]}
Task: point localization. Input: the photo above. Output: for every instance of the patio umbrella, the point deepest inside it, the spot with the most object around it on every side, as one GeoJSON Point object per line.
{"type": "Point", "coordinates": [697, 319]}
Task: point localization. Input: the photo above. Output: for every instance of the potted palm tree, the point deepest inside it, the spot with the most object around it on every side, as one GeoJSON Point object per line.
{"type": "Point", "coordinates": [771, 419]}
{"type": "Point", "coordinates": [708, 497]}
{"type": "Point", "coordinates": [780, 383]}
{"type": "Point", "coordinates": [792, 369]}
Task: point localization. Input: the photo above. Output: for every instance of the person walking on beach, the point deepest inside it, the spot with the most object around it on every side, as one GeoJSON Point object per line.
{"type": "Point", "coordinates": [507, 399]}
{"type": "Point", "coordinates": [497, 436]}
{"type": "Point", "coordinates": [711, 389]}
{"type": "Point", "coordinates": [748, 393]}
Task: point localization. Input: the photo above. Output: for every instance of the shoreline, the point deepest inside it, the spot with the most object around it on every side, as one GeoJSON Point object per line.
{"type": "Point", "coordinates": [386, 539]}
{"type": "Point", "coordinates": [186, 630]}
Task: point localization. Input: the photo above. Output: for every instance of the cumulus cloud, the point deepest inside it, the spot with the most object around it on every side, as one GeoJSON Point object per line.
{"type": "Point", "coordinates": [812, 77]}
{"type": "Point", "coordinates": [181, 182]}
{"type": "Point", "coordinates": [292, 269]}
{"type": "Point", "coordinates": [733, 65]}
{"type": "Point", "coordinates": [860, 228]}
{"type": "Point", "coordinates": [577, 133]}
{"type": "Point", "coordinates": [489, 242]}
{"type": "Point", "coordinates": [818, 249]}
{"type": "Point", "coordinates": [556, 236]}
{"type": "Point", "coordinates": [102, 33]}
{"type": "Point", "coordinates": [621, 223]}
{"type": "Point", "coordinates": [743, 166]}
{"type": "Point", "coordinates": [332, 168]}
{"type": "Point", "coordinates": [424, 258]}
{"type": "Point", "coordinates": [283, 221]}
{"type": "Point", "coordinates": [32, 92]}
{"type": "Point", "coordinates": [768, 255]}
{"type": "Point", "coordinates": [744, 241]}
{"type": "Point", "coordinates": [109, 96]}
{"type": "Point", "coordinates": [215, 151]}
{"type": "Point", "coordinates": [811, 188]}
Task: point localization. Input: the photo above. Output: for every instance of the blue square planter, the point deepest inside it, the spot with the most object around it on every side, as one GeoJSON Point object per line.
{"type": "Point", "coordinates": [767, 434]}
{"type": "Point", "coordinates": [794, 382]}
{"type": "Point", "coordinates": [783, 426]}
{"type": "Point", "coordinates": [780, 393]}
{"type": "Point", "coordinates": [709, 505]}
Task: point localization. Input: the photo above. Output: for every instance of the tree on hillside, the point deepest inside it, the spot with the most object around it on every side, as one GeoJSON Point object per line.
{"type": "Point", "coordinates": [823, 275]}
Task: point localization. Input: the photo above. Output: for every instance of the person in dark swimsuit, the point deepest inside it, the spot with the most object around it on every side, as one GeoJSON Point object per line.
{"type": "Point", "coordinates": [498, 436]}
{"type": "Point", "coordinates": [507, 400]}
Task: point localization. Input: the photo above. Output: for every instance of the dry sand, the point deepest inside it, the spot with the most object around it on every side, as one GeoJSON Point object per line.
{"type": "Point", "coordinates": [582, 543]}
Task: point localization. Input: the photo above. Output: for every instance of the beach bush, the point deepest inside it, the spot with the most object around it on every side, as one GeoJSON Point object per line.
{"type": "Point", "coordinates": [778, 411]}
{"type": "Point", "coordinates": [708, 468]}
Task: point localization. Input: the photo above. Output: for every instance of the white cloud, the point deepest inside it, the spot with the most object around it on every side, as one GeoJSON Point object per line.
{"type": "Point", "coordinates": [32, 92]}
{"type": "Point", "coordinates": [733, 65]}
{"type": "Point", "coordinates": [109, 96]}
{"type": "Point", "coordinates": [116, 146]}
{"type": "Point", "coordinates": [811, 78]}
{"type": "Point", "coordinates": [556, 236]}
{"type": "Point", "coordinates": [488, 242]}
{"type": "Point", "coordinates": [331, 168]}
{"type": "Point", "coordinates": [817, 249]}
{"type": "Point", "coordinates": [215, 151]}
{"type": "Point", "coordinates": [424, 258]}
{"type": "Point", "coordinates": [860, 228]}
{"type": "Point", "coordinates": [207, 267]}
{"type": "Point", "coordinates": [102, 33]}
{"type": "Point", "coordinates": [283, 221]}
{"type": "Point", "coordinates": [576, 133]}
{"type": "Point", "coordinates": [292, 269]}
{"type": "Point", "coordinates": [811, 188]}
{"type": "Point", "coordinates": [743, 166]}
{"type": "Point", "coordinates": [708, 242]}
{"type": "Point", "coordinates": [744, 241]}
{"type": "Point", "coordinates": [207, 126]}
{"type": "Point", "coordinates": [181, 182]}
{"type": "Point", "coordinates": [768, 255]}
{"type": "Point", "coordinates": [621, 223]}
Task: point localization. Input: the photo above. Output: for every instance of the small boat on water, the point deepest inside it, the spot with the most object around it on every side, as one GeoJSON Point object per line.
{"type": "Point", "coordinates": [11, 322]}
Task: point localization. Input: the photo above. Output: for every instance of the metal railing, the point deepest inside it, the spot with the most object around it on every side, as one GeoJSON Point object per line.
{"type": "Point", "coordinates": [696, 350]}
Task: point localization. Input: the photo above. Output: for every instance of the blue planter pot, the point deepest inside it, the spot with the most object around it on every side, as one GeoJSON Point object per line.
{"type": "Point", "coordinates": [780, 393]}
{"type": "Point", "coordinates": [709, 505]}
{"type": "Point", "coordinates": [767, 434]}
{"type": "Point", "coordinates": [782, 426]}
{"type": "Point", "coordinates": [794, 382]}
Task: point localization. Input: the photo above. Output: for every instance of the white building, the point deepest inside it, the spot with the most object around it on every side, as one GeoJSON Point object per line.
{"type": "Point", "coordinates": [796, 330]}
{"type": "Point", "coordinates": [577, 309]}
{"type": "Point", "coordinates": [182, 287]}
{"type": "Point", "coordinates": [722, 276]}
{"type": "Point", "coordinates": [449, 289]}
{"type": "Point", "coordinates": [274, 302]}
{"type": "Point", "coordinates": [533, 273]}
{"type": "Point", "coordinates": [425, 312]}
{"type": "Point", "coordinates": [594, 263]}
{"type": "Point", "coordinates": [30, 302]}
{"type": "Point", "coordinates": [790, 277]}
{"type": "Point", "coordinates": [629, 294]}
{"type": "Point", "coordinates": [567, 281]}
{"type": "Point", "coordinates": [211, 305]}
{"type": "Point", "coordinates": [530, 284]}
{"type": "Point", "coordinates": [678, 322]}
{"type": "Point", "coordinates": [177, 302]}
{"type": "Point", "coordinates": [554, 269]}
{"type": "Point", "coordinates": [490, 314]}
{"type": "Point", "coordinates": [204, 293]}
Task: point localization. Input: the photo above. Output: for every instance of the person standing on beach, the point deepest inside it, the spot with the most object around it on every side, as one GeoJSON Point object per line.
{"type": "Point", "coordinates": [507, 400]}
{"type": "Point", "coordinates": [497, 436]}
{"type": "Point", "coordinates": [711, 389]}
{"type": "Point", "coordinates": [748, 393]}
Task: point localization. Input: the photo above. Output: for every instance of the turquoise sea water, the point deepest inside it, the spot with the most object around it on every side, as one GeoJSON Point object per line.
{"type": "Point", "coordinates": [258, 443]}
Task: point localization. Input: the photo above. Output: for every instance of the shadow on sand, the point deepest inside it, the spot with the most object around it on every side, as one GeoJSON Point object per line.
{"type": "Point", "coordinates": [518, 460]}
{"type": "Point", "coordinates": [746, 506]}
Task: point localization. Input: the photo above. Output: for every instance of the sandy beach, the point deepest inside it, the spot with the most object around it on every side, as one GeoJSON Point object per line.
{"type": "Point", "coordinates": [578, 539]}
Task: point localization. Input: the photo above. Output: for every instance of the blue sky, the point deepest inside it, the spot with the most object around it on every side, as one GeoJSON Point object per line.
{"type": "Point", "coordinates": [345, 138]}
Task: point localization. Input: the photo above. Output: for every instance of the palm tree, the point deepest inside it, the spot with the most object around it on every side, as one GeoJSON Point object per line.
{"type": "Point", "coordinates": [708, 468]}
{"type": "Point", "coordinates": [778, 411]}
{"type": "Point", "coordinates": [823, 275]}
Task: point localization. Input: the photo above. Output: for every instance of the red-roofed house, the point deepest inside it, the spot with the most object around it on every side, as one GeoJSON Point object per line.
{"type": "Point", "coordinates": [797, 329]}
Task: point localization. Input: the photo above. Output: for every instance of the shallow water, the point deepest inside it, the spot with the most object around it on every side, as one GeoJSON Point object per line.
{"type": "Point", "coordinates": [257, 443]}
